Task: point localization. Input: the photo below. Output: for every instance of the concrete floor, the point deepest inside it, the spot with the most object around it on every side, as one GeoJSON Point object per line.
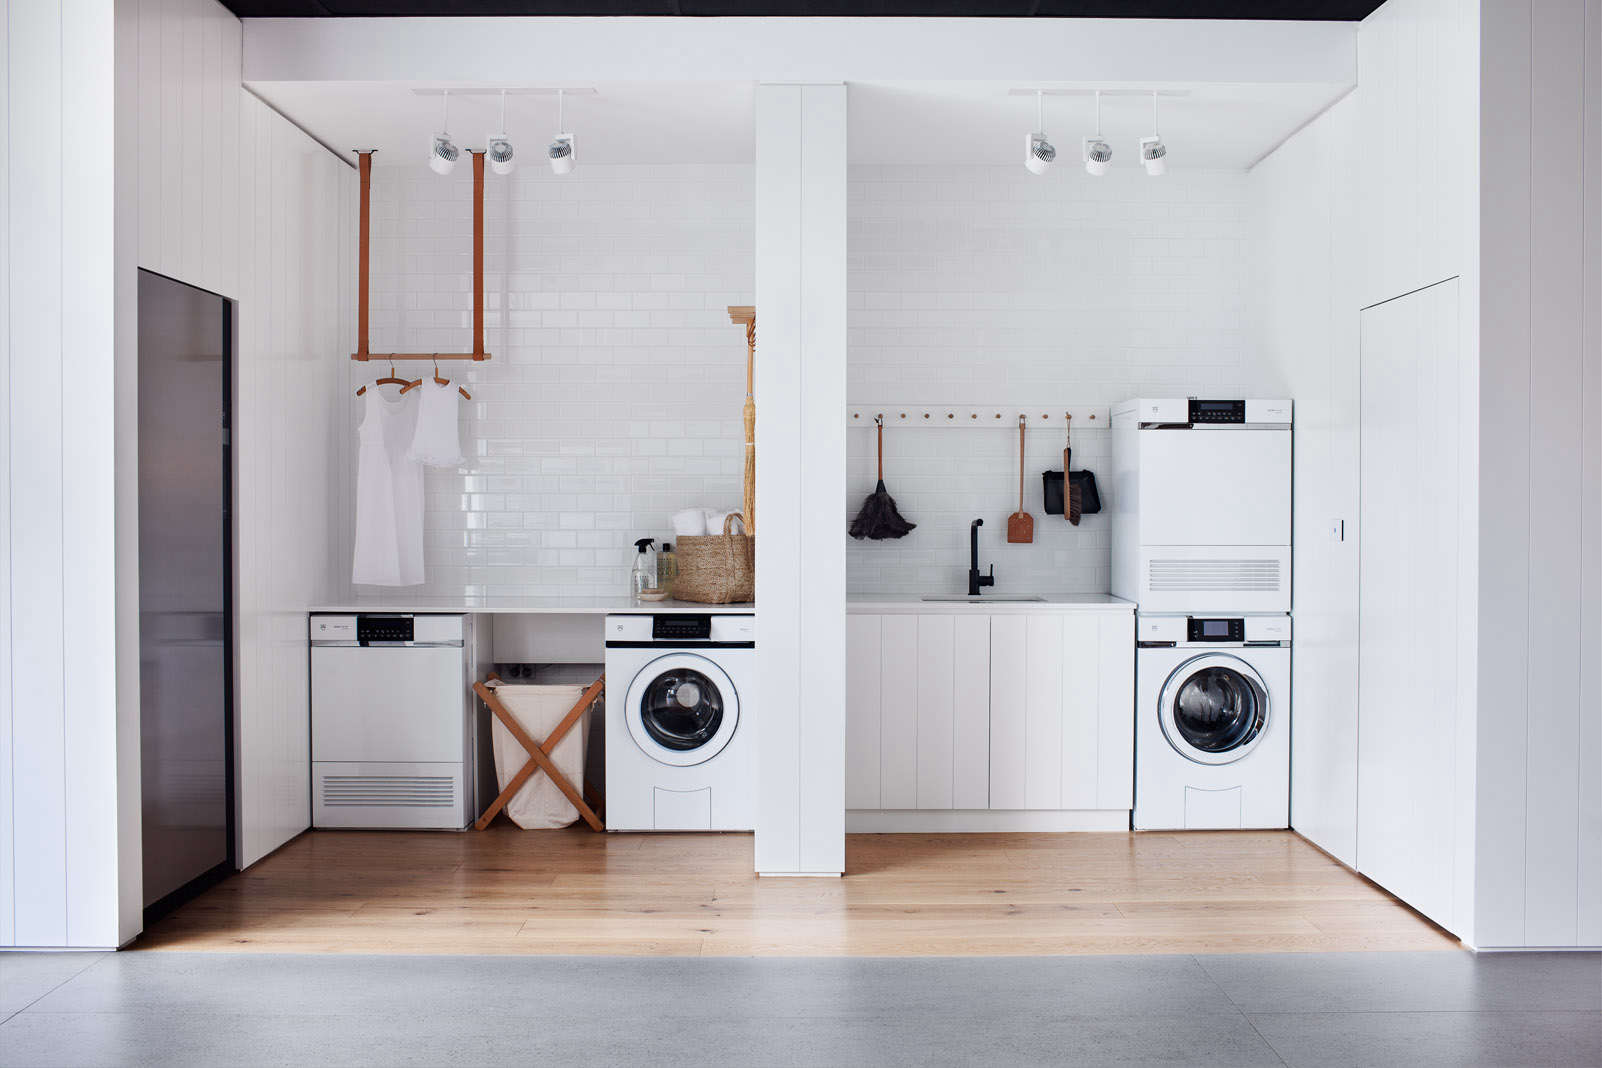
{"type": "Point", "coordinates": [177, 1008]}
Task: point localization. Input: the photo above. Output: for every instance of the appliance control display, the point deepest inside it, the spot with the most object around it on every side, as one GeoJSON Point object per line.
{"type": "Point", "coordinates": [681, 628]}
{"type": "Point", "coordinates": [383, 629]}
{"type": "Point", "coordinates": [1217, 630]}
{"type": "Point", "coordinates": [1217, 411]}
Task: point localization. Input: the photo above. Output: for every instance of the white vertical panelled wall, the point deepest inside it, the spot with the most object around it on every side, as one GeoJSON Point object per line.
{"type": "Point", "coordinates": [800, 248]}
{"type": "Point", "coordinates": [229, 196]}
{"type": "Point", "coordinates": [296, 268]}
{"type": "Point", "coordinates": [1491, 619]}
{"type": "Point", "coordinates": [58, 760]}
{"type": "Point", "coordinates": [1539, 835]}
{"type": "Point", "coordinates": [156, 87]}
{"type": "Point", "coordinates": [1307, 280]}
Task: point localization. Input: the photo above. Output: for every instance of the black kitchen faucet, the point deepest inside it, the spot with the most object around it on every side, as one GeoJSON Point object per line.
{"type": "Point", "coordinates": [975, 579]}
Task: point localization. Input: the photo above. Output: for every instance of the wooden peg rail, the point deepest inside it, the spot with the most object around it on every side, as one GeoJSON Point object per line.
{"type": "Point", "coordinates": [1082, 416]}
{"type": "Point", "coordinates": [365, 169]}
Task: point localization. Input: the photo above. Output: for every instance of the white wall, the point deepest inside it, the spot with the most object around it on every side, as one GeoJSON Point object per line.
{"type": "Point", "coordinates": [1539, 836]}
{"type": "Point", "coordinates": [156, 87]}
{"type": "Point", "coordinates": [226, 195]}
{"type": "Point", "coordinates": [1340, 231]}
{"type": "Point", "coordinates": [990, 285]}
{"type": "Point", "coordinates": [58, 756]}
{"type": "Point", "coordinates": [297, 273]}
{"type": "Point", "coordinates": [1306, 284]}
{"type": "Point", "coordinates": [585, 51]}
{"type": "Point", "coordinates": [1524, 822]}
{"type": "Point", "coordinates": [613, 399]}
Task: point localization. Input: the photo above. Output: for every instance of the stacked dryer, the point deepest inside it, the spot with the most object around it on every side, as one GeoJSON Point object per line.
{"type": "Point", "coordinates": [1201, 521]}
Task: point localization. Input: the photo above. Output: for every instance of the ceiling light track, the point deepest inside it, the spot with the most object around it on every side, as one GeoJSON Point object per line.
{"type": "Point", "coordinates": [1095, 150]}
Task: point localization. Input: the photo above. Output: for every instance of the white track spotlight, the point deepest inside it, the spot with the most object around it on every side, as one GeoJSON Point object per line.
{"type": "Point", "coordinates": [1039, 153]}
{"type": "Point", "coordinates": [1153, 153]}
{"type": "Point", "coordinates": [560, 150]}
{"type": "Point", "coordinates": [444, 153]}
{"type": "Point", "coordinates": [1096, 152]}
{"type": "Point", "coordinates": [498, 146]}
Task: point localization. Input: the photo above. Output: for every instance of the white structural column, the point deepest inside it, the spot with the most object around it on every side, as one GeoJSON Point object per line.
{"type": "Point", "coordinates": [799, 707]}
{"type": "Point", "coordinates": [58, 771]}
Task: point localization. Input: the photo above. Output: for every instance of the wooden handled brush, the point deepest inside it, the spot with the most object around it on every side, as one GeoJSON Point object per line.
{"type": "Point", "coordinates": [1020, 524]}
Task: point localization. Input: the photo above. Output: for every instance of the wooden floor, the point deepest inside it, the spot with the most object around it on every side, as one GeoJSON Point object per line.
{"type": "Point", "coordinates": [572, 891]}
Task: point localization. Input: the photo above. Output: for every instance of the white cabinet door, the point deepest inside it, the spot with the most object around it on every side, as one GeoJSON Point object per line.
{"type": "Point", "coordinates": [1062, 706]}
{"type": "Point", "coordinates": [1026, 711]}
{"type": "Point", "coordinates": [863, 680]}
{"type": "Point", "coordinates": [937, 646]}
{"type": "Point", "coordinates": [1411, 686]}
{"type": "Point", "coordinates": [953, 736]}
{"type": "Point", "coordinates": [1098, 711]}
{"type": "Point", "coordinates": [898, 711]}
{"type": "Point", "coordinates": [970, 734]}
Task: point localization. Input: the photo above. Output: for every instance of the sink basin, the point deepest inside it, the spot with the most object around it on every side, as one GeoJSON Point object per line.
{"type": "Point", "coordinates": [984, 598]}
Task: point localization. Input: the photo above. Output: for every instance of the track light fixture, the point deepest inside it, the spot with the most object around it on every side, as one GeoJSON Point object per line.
{"type": "Point", "coordinates": [1096, 152]}
{"type": "Point", "coordinates": [1039, 153]}
{"type": "Point", "coordinates": [444, 153]}
{"type": "Point", "coordinates": [498, 149]}
{"type": "Point", "coordinates": [1153, 153]}
{"type": "Point", "coordinates": [560, 150]}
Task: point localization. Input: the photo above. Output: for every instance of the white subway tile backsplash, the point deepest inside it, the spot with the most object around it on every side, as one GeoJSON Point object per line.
{"type": "Point", "coordinates": [987, 285]}
{"type": "Point", "coordinates": [614, 395]}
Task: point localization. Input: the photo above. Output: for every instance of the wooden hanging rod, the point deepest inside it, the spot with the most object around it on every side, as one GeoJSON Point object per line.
{"type": "Point", "coordinates": [365, 168]}
{"type": "Point", "coordinates": [380, 357]}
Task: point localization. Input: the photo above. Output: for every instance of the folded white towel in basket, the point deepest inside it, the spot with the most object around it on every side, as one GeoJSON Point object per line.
{"type": "Point", "coordinates": [715, 520]}
{"type": "Point", "coordinates": [690, 523]}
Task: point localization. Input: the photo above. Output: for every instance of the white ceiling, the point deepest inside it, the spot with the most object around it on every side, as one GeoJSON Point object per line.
{"type": "Point", "coordinates": [1213, 126]}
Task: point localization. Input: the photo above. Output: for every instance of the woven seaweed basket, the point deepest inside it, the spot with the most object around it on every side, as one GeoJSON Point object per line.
{"type": "Point", "coordinates": [717, 568]}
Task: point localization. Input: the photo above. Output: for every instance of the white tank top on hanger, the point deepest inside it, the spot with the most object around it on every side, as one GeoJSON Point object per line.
{"type": "Point", "coordinates": [389, 495]}
{"type": "Point", "coordinates": [438, 441]}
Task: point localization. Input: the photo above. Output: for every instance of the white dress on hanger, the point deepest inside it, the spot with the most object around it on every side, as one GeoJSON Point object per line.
{"type": "Point", "coordinates": [438, 441]}
{"type": "Point", "coordinates": [389, 495]}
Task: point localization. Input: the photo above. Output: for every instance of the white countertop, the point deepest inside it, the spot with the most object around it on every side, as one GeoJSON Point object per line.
{"type": "Point", "coordinates": [1054, 602]}
{"type": "Point", "coordinates": [555, 606]}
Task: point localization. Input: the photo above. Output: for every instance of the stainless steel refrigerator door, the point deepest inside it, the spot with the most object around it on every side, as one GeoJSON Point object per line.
{"type": "Point", "coordinates": [183, 583]}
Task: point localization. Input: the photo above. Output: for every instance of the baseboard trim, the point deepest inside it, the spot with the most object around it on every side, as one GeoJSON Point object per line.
{"type": "Point", "coordinates": [980, 820]}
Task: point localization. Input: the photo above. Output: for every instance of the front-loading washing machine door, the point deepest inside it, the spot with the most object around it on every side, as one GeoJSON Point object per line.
{"type": "Point", "coordinates": [1214, 709]}
{"type": "Point", "coordinates": [682, 709]}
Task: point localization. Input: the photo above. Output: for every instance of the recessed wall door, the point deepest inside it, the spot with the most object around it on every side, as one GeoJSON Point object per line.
{"type": "Point", "coordinates": [1413, 681]}
{"type": "Point", "coordinates": [185, 627]}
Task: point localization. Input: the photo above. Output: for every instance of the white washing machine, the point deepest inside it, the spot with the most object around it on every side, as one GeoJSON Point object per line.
{"type": "Point", "coordinates": [1200, 503]}
{"type": "Point", "coordinates": [1212, 722]}
{"type": "Point", "coordinates": [680, 748]}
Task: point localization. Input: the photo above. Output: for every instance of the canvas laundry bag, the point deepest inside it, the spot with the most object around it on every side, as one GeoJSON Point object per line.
{"type": "Point", "coordinates": [538, 708]}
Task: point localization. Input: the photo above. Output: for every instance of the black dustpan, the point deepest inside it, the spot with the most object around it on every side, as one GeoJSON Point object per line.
{"type": "Point", "coordinates": [880, 518]}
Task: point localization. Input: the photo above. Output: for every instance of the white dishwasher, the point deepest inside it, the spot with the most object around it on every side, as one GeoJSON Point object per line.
{"type": "Point", "coordinates": [391, 721]}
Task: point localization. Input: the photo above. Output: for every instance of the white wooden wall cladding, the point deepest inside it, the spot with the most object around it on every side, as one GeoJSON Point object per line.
{"type": "Point", "coordinates": [964, 711]}
{"type": "Point", "coordinates": [800, 240]}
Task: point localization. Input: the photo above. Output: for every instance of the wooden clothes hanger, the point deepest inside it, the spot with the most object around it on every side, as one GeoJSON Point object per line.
{"type": "Point", "coordinates": [391, 380]}
{"type": "Point", "coordinates": [438, 381]}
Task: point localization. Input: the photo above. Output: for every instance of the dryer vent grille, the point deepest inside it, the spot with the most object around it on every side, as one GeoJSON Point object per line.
{"type": "Point", "coordinates": [1210, 576]}
{"type": "Point", "coordinates": [389, 791]}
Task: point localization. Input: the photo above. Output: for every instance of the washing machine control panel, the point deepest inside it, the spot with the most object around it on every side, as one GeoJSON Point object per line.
{"type": "Point", "coordinates": [1215, 630]}
{"type": "Point", "coordinates": [686, 629]}
{"type": "Point", "coordinates": [1157, 632]}
{"type": "Point", "coordinates": [681, 628]}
